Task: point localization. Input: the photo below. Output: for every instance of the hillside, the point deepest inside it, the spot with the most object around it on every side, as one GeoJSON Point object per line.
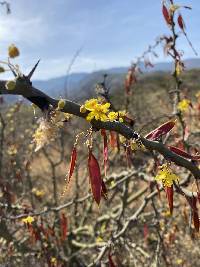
{"type": "Point", "coordinates": [84, 82]}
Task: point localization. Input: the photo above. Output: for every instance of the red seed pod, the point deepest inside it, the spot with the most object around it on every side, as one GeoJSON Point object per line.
{"type": "Point", "coordinates": [166, 15]}
{"type": "Point", "coordinates": [129, 80]}
{"type": "Point", "coordinates": [51, 231]}
{"type": "Point", "coordinates": [183, 153]}
{"type": "Point", "coordinates": [145, 231]}
{"type": "Point", "coordinates": [181, 22]}
{"type": "Point", "coordinates": [169, 194]}
{"type": "Point", "coordinates": [110, 260]}
{"type": "Point", "coordinates": [95, 177]}
{"type": "Point", "coordinates": [161, 130]}
{"type": "Point", "coordinates": [113, 139]}
{"type": "Point", "coordinates": [72, 163]}
{"type": "Point", "coordinates": [63, 226]}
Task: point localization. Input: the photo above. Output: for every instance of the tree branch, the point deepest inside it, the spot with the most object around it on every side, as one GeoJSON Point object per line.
{"type": "Point", "coordinates": [43, 101]}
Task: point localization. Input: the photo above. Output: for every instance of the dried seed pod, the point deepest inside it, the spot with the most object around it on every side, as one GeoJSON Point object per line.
{"type": "Point", "coordinates": [184, 154]}
{"type": "Point", "coordinates": [181, 22]}
{"type": "Point", "coordinates": [166, 15]}
{"type": "Point", "coordinates": [169, 193]}
{"type": "Point", "coordinates": [72, 163]}
{"type": "Point", "coordinates": [161, 130]}
{"type": "Point", "coordinates": [95, 177]}
{"type": "Point", "coordinates": [63, 226]}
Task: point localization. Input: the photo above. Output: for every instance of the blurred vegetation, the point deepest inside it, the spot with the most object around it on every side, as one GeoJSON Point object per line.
{"type": "Point", "coordinates": [71, 235]}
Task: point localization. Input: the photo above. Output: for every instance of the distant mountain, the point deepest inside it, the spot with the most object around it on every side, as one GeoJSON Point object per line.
{"type": "Point", "coordinates": [80, 84]}
{"type": "Point", "coordinates": [56, 86]}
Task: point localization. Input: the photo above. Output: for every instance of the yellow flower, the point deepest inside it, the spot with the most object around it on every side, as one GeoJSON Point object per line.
{"type": "Point", "coordinates": [91, 104]}
{"type": "Point", "coordinates": [38, 193]}
{"type": "Point", "coordinates": [166, 176]}
{"type": "Point", "coordinates": [99, 239]}
{"type": "Point", "coordinates": [184, 105]}
{"type": "Point", "coordinates": [13, 51]}
{"type": "Point", "coordinates": [112, 116]}
{"type": "Point", "coordinates": [122, 139]}
{"type": "Point", "coordinates": [166, 213]}
{"type": "Point", "coordinates": [122, 113]}
{"type": "Point", "coordinates": [135, 145]}
{"type": "Point", "coordinates": [28, 219]}
{"type": "Point", "coordinates": [98, 111]}
{"type": "Point", "coordinates": [53, 260]}
{"type": "Point", "coordinates": [179, 261]}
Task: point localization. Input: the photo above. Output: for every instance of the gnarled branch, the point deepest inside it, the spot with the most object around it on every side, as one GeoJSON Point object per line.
{"type": "Point", "coordinates": [43, 101]}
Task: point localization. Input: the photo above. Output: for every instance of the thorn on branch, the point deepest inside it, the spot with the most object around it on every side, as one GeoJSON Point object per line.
{"type": "Point", "coordinates": [29, 76]}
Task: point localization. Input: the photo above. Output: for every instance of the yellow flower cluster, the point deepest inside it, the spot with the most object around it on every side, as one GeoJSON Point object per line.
{"type": "Point", "coordinates": [100, 111]}
{"type": "Point", "coordinates": [184, 105]}
{"type": "Point", "coordinates": [166, 176]}
{"type": "Point", "coordinates": [28, 219]}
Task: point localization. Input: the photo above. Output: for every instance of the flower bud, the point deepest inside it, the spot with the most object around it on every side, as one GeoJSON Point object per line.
{"type": "Point", "coordinates": [10, 85]}
{"type": "Point", "coordinates": [61, 104]}
{"type": "Point", "coordinates": [83, 109]}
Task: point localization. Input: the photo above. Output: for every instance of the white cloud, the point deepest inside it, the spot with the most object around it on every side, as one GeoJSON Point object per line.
{"type": "Point", "coordinates": [29, 32]}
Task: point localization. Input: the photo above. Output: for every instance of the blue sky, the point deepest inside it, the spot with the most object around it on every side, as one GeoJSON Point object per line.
{"type": "Point", "coordinates": [110, 32]}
